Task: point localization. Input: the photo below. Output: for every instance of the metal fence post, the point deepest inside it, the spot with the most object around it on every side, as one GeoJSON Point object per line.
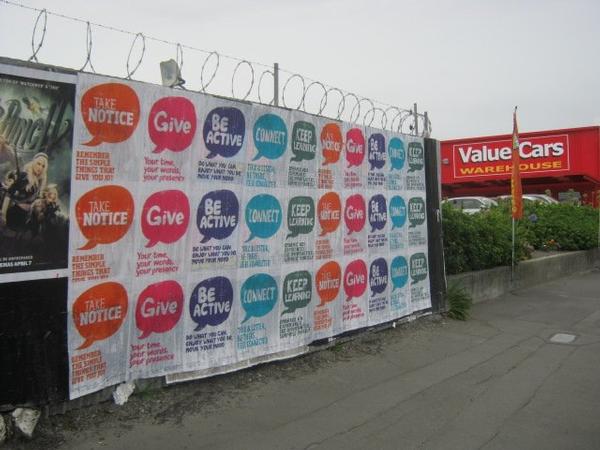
{"type": "Point", "coordinates": [276, 84]}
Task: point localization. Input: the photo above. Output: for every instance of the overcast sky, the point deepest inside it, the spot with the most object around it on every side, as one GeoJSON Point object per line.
{"type": "Point", "coordinates": [466, 62]}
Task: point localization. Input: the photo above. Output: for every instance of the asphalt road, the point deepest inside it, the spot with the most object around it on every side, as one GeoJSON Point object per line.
{"type": "Point", "coordinates": [496, 381]}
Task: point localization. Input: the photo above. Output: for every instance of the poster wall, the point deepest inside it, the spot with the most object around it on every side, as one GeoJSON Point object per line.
{"type": "Point", "coordinates": [198, 232]}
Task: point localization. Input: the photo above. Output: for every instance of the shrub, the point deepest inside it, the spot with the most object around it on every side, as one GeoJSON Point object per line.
{"type": "Point", "coordinates": [484, 240]}
{"type": "Point", "coordinates": [459, 302]}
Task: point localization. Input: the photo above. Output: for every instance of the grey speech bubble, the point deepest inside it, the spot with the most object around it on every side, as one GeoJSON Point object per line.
{"type": "Point", "coordinates": [300, 216]}
{"type": "Point", "coordinates": [416, 212]}
{"type": "Point", "coordinates": [418, 267]}
{"type": "Point", "coordinates": [416, 156]}
{"type": "Point", "coordinates": [297, 291]}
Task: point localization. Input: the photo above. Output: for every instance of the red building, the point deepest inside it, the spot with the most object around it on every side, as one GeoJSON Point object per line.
{"type": "Point", "coordinates": [563, 163]}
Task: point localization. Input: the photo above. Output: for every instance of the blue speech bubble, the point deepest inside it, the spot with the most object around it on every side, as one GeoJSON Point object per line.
{"type": "Point", "coordinates": [377, 212]}
{"type": "Point", "coordinates": [270, 137]}
{"type": "Point", "coordinates": [378, 276]}
{"type": "Point", "coordinates": [397, 211]}
{"type": "Point", "coordinates": [397, 153]}
{"type": "Point", "coordinates": [376, 151]}
{"type": "Point", "coordinates": [218, 214]}
{"type": "Point", "coordinates": [399, 272]}
{"type": "Point", "coordinates": [224, 130]}
{"type": "Point", "coordinates": [263, 216]}
{"type": "Point", "coordinates": [258, 295]}
{"type": "Point", "coordinates": [211, 302]}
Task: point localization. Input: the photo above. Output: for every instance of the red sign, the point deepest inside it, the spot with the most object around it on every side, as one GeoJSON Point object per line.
{"type": "Point", "coordinates": [493, 158]}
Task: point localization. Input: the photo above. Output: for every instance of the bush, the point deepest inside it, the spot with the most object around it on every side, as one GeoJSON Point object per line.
{"type": "Point", "coordinates": [459, 302]}
{"type": "Point", "coordinates": [484, 240]}
{"type": "Point", "coordinates": [479, 241]}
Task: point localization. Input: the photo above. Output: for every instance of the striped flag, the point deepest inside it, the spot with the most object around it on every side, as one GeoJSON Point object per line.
{"type": "Point", "coordinates": [516, 191]}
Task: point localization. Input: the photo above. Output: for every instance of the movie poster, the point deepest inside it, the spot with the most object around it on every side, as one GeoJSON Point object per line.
{"type": "Point", "coordinates": [36, 132]}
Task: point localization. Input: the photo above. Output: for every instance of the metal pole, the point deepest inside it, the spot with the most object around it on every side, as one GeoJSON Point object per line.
{"type": "Point", "coordinates": [416, 120]}
{"type": "Point", "coordinates": [427, 131]}
{"type": "Point", "coordinates": [276, 84]}
{"type": "Point", "coordinates": [512, 265]}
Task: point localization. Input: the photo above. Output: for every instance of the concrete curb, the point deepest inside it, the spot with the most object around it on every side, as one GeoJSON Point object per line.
{"type": "Point", "coordinates": [489, 284]}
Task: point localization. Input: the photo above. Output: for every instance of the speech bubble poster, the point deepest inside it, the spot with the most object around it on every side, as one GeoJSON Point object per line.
{"type": "Point", "coordinates": [302, 155]}
{"type": "Point", "coordinates": [300, 215]}
{"type": "Point", "coordinates": [378, 289]}
{"type": "Point", "coordinates": [327, 317]}
{"type": "Point", "coordinates": [377, 222]}
{"type": "Point", "coordinates": [156, 330]}
{"type": "Point", "coordinates": [257, 326]}
{"type": "Point", "coordinates": [225, 130]}
{"type": "Point", "coordinates": [215, 223]}
{"type": "Point", "coordinates": [298, 301]}
{"type": "Point", "coordinates": [397, 165]}
{"type": "Point", "coordinates": [377, 158]}
{"type": "Point", "coordinates": [207, 233]}
{"type": "Point", "coordinates": [355, 284]}
{"type": "Point", "coordinates": [211, 314]}
{"type": "Point", "coordinates": [98, 325]}
{"type": "Point", "coordinates": [330, 157]}
{"type": "Point", "coordinates": [355, 222]}
{"type": "Point", "coordinates": [267, 149]}
{"type": "Point", "coordinates": [355, 158]}
{"type": "Point", "coordinates": [262, 229]}
{"type": "Point", "coordinates": [329, 227]}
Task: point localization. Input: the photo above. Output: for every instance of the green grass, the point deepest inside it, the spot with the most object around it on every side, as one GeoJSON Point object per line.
{"type": "Point", "coordinates": [459, 302]}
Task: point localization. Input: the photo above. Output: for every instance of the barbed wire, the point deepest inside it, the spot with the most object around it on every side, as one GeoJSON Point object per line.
{"type": "Point", "coordinates": [298, 91]}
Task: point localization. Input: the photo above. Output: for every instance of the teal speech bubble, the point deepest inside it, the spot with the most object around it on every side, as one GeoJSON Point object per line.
{"type": "Point", "coordinates": [416, 156]}
{"type": "Point", "coordinates": [397, 153]}
{"type": "Point", "coordinates": [399, 272]}
{"type": "Point", "coordinates": [258, 295]}
{"type": "Point", "coordinates": [263, 216]}
{"type": "Point", "coordinates": [397, 211]}
{"type": "Point", "coordinates": [297, 291]}
{"type": "Point", "coordinates": [270, 137]}
{"type": "Point", "coordinates": [418, 267]}
{"type": "Point", "coordinates": [416, 212]}
{"type": "Point", "coordinates": [300, 216]}
{"type": "Point", "coordinates": [304, 141]}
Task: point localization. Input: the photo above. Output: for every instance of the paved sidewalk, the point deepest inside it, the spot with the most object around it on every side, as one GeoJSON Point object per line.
{"type": "Point", "coordinates": [493, 382]}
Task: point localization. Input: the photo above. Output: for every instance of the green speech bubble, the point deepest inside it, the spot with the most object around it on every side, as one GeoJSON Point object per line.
{"type": "Point", "coordinates": [416, 211]}
{"type": "Point", "coordinates": [416, 157]}
{"type": "Point", "coordinates": [297, 291]}
{"type": "Point", "coordinates": [300, 216]}
{"type": "Point", "coordinates": [304, 141]}
{"type": "Point", "coordinates": [418, 267]}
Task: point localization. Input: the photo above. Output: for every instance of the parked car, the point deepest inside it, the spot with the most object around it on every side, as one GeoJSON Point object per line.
{"type": "Point", "coordinates": [471, 205]}
{"type": "Point", "coordinates": [542, 198]}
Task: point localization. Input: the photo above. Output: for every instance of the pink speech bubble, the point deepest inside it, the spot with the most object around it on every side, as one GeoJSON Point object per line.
{"type": "Point", "coordinates": [355, 147]}
{"type": "Point", "coordinates": [165, 217]}
{"type": "Point", "coordinates": [159, 308]}
{"type": "Point", "coordinates": [355, 279]}
{"type": "Point", "coordinates": [355, 213]}
{"type": "Point", "coordinates": [172, 124]}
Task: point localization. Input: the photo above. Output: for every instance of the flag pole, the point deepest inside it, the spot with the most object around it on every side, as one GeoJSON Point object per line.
{"type": "Point", "coordinates": [512, 265]}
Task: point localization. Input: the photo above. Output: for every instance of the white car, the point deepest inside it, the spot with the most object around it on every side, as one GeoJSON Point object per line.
{"type": "Point", "coordinates": [541, 198]}
{"type": "Point", "coordinates": [471, 205]}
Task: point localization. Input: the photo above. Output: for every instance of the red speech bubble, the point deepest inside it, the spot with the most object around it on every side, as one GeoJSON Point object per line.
{"type": "Point", "coordinates": [329, 210]}
{"type": "Point", "coordinates": [328, 280]}
{"type": "Point", "coordinates": [159, 308]}
{"type": "Point", "coordinates": [165, 217]}
{"type": "Point", "coordinates": [355, 147]}
{"type": "Point", "coordinates": [104, 215]}
{"type": "Point", "coordinates": [99, 312]}
{"type": "Point", "coordinates": [111, 112]}
{"type": "Point", "coordinates": [355, 213]}
{"type": "Point", "coordinates": [355, 279]}
{"type": "Point", "coordinates": [172, 124]}
{"type": "Point", "coordinates": [332, 143]}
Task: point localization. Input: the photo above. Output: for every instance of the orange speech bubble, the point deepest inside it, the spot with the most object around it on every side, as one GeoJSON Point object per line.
{"type": "Point", "coordinates": [104, 215]}
{"type": "Point", "coordinates": [329, 211]}
{"type": "Point", "coordinates": [332, 143]}
{"type": "Point", "coordinates": [99, 312]}
{"type": "Point", "coordinates": [328, 280]}
{"type": "Point", "coordinates": [111, 112]}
